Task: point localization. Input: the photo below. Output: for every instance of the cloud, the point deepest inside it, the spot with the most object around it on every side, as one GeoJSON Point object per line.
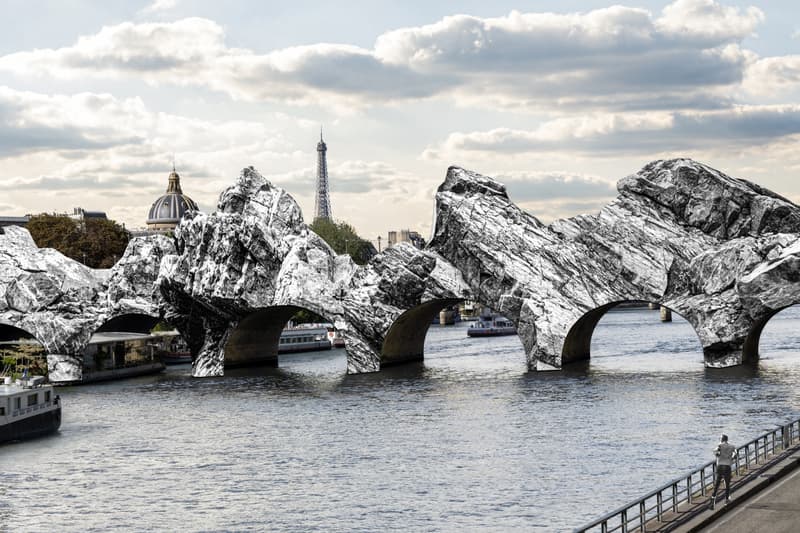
{"type": "Point", "coordinates": [550, 210]}
{"type": "Point", "coordinates": [348, 177]}
{"type": "Point", "coordinates": [544, 186]}
{"type": "Point", "coordinates": [90, 122]}
{"type": "Point", "coordinates": [613, 57]}
{"type": "Point", "coordinates": [708, 21]}
{"type": "Point", "coordinates": [773, 75]}
{"type": "Point", "coordinates": [55, 183]}
{"type": "Point", "coordinates": [32, 122]}
{"type": "Point", "coordinates": [159, 5]}
{"type": "Point", "coordinates": [633, 133]}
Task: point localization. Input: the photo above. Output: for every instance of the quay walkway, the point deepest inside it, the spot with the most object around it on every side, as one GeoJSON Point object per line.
{"type": "Point", "coordinates": [770, 503]}
{"type": "Point", "coordinates": [765, 494]}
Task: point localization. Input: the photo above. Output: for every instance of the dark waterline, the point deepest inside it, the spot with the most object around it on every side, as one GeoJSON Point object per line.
{"type": "Point", "coordinates": [466, 440]}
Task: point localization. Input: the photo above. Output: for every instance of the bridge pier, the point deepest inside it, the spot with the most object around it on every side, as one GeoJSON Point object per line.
{"type": "Point", "coordinates": [64, 368]}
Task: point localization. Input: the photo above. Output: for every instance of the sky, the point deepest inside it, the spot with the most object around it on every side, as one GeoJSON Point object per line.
{"type": "Point", "coordinates": [556, 99]}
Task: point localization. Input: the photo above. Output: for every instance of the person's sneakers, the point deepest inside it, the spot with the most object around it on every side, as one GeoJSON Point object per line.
{"type": "Point", "coordinates": [713, 501]}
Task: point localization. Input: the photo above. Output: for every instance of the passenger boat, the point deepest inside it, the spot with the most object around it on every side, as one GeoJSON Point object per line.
{"type": "Point", "coordinates": [493, 326]}
{"type": "Point", "coordinates": [176, 357]}
{"type": "Point", "coordinates": [28, 409]}
{"type": "Point", "coordinates": [174, 351]}
{"type": "Point", "coordinates": [304, 338]}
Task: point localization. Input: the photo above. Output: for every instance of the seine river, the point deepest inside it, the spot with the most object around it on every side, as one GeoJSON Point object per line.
{"type": "Point", "coordinates": [466, 441]}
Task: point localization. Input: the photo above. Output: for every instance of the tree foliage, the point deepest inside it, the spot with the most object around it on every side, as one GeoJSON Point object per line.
{"type": "Point", "coordinates": [96, 242]}
{"type": "Point", "coordinates": [342, 237]}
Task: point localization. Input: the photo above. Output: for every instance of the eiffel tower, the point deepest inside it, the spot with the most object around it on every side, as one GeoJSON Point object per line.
{"type": "Point", "coordinates": [322, 205]}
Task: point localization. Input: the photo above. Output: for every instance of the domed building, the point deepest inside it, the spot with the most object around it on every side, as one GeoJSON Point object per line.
{"type": "Point", "coordinates": [166, 212]}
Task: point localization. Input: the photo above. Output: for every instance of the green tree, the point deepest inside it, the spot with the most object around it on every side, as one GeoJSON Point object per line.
{"type": "Point", "coordinates": [342, 237]}
{"type": "Point", "coordinates": [96, 242]}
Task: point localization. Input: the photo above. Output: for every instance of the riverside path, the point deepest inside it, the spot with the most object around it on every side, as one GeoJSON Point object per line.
{"type": "Point", "coordinates": [770, 503]}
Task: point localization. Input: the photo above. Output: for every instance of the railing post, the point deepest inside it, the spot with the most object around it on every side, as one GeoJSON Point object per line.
{"type": "Point", "coordinates": [702, 481]}
{"type": "Point", "coordinates": [642, 507]}
{"type": "Point", "coordinates": [624, 521]}
{"type": "Point", "coordinates": [674, 497]}
{"type": "Point", "coordinates": [659, 506]}
{"type": "Point", "coordinates": [689, 489]}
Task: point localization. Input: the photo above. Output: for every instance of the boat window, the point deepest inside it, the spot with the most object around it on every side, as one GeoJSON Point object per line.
{"type": "Point", "coordinates": [17, 403]}
{"type": "Point", "coordinates": [32, 399]}
{"type": "Point", "coordinates": [47, 396]}
{"type": "Point", "coordinates": [2, 411]}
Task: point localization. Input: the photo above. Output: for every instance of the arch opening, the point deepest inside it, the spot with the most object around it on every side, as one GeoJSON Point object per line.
{"type": "Point", "coordinates": [130, 323]}
{"type": "Point", "coordinates": [132, 344]}
{"type": "Point", "coordinates": [635, 331]}
{"type": "Point", "coordinates": [20, 351]}
{"type": "Point", "coordinates": [782, 324]}
{"type": "Point", "coordinates": [262, 336]}
{"type": "Point", "coordinates": [406, 339]}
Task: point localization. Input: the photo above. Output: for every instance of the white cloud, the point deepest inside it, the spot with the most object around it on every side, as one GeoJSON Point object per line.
{"type": "Point", "coordinates": [614, 57]}
{"type": "Point", "coordinates": [159, 5]}
{"type": "Point", "coordinates": [541, 186]}
{"type": "Point", "coordinates": [651, 133]}
{"type": "Point", "coordinates": [709, 21]}
{"type": "Point", "coordinates": [773, 75]}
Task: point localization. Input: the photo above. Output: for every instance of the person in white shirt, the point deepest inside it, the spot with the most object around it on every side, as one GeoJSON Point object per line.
{"type": "Point", "coordinates": [725, 453]}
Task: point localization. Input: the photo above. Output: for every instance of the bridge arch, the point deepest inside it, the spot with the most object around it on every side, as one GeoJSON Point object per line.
{"type": "Point", "coordinates": [405, 340]}
{"type": "Point", "coordinates": [10, 332]}
{"type": "Point", "coordinates": [34, 358]}
{"type": "Point", "coordinates": [129, 322]}
{"type": "Point", "coordinates": [255, 339]}
{"type": "Point", "coordinates": [578, 342]}
{"type": "Point", "coordinates": [751, 351]}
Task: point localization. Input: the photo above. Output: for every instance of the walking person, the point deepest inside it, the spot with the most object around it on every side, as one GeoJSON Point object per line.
{"type": "Point", "coordinates": [725, 453]}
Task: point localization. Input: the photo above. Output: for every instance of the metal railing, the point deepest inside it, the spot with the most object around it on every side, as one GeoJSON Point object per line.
{"type": "Point", "coordinates": [697, 483]}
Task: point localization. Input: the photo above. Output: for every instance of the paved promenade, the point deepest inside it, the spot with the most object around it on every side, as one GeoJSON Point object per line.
{"type": "Point", "coordinates": [771, 502]}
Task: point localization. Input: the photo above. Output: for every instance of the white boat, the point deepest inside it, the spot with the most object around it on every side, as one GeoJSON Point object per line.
{"type": "Point", "coordinates": [304, 338]}
{"type": "Point", "coordinates": [493, 326]}
{"type": "Point", "coordinates": [28, 409]}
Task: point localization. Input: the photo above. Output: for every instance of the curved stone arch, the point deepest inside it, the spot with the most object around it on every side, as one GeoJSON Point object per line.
{"type": "Point", "coordinates": [404, 342]}
{"type": "Point", "coordinates": [577, 343]}
{"type": "Point", "coordinates": [129, 322]}
{"type": "Point", "coordinates": [7, 330]}
{"type": "Point", "coordinates": [750, 349]}
{"type": "Point", "coordinates": [253, 341]}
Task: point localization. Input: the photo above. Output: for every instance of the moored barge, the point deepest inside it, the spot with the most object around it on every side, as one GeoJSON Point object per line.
{"type": "Point", "coordinates": [28, 409]}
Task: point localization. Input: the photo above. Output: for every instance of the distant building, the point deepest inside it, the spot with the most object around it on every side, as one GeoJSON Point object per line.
{"type": "Point", "coordinates": [167, 211]}
{"type": "Point", "coordinates": [405, 236]}
{"type": "Point", "coordinates": [14, 221]}
{"type": "Point", "coordinates": [322, 204]}
{"type": "Point", "coordinates": [79, 213]}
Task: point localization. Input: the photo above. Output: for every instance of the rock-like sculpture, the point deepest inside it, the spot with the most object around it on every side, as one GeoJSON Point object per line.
{"type": "Point", "coordinates": [62, 303]}
{"type": "Point", "coordinates": [680, 234]}
{"type": "Point", "coordinates": [722, 252]}
{"type": "Point", "coordinates": [240, 273]}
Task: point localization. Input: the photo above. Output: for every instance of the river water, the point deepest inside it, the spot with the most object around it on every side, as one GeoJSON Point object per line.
{"type": "Point", "coordinates": [468, 440]}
